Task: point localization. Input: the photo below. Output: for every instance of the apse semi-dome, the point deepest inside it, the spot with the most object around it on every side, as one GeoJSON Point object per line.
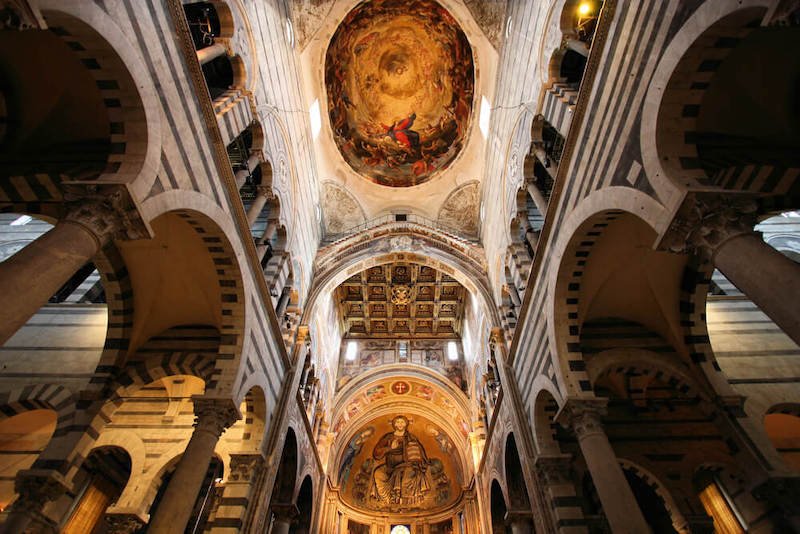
{"type": "Point", "coordinates": [400, 82]}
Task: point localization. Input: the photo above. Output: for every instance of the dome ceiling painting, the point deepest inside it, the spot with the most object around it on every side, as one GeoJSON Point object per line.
{"type": "Point", "coordinates": [400, 81]}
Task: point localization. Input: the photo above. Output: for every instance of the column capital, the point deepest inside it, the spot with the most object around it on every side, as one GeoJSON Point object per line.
{"type": "Point", "coordinates": [286, 512]}
{"type": "Point", "coordinates": [583, 416]}
{"type": "Point", "coordinates": [214, 414]}
{"type": "Point", "coordinates": [264, 191]}
{"type": "Point", "coordinates": [35, 488]}
{"type": "Point", "coordinates": [106, 213]}
{"type": "Point", "coordinates": [303, 336]}
{"type": "Point", "coordinates": [123, 523]}
{"type": "Point", "coordinates": [707, 220]}
{"type": "Point", "coordinates": [245, 467]}
{"type": "Point", "coordinates": [554, 469]}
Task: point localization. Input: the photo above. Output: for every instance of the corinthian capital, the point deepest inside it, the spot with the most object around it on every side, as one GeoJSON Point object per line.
{"type": "Point", "coordinates": [706, 220]}
{"type": "Point", "coordinates": [245, 467]}
{"type": "Point", "coordinates": [35, 488]}
{"type": "Point", "coordinates": [214, 414]}
{"type": "Point", "coordinates": [107, 213]}
{"type": "Point", "coordinates": [583, 416]}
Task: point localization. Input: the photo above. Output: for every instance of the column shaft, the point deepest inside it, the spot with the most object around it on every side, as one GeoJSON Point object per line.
{"type": "Point", "coordinates": [255, 209]}
{"type": "Point", "coordinates": [538, 198]}
{"type": "Point", "coordinates": [177, 503]}
{"type": "Point", "coordinates": [619, 504]}
{"type": "Point", "coordinates": [30, 277]}
{"type": "Point", "coordinates": [520, 527]}
{"type": "Point", "coordinates": [767, 277]}
{"type": "Point", "coordinates": [280, 526]}
{"type": "Point", "coordinates": [212, 416]}
{"type": "Point", "coordinates": [210, 53]}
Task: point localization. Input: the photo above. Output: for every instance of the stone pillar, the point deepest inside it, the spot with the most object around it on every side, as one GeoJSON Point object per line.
{"type": "Point", "coordinates": [210, 53]}
{"type": "Point", "coordinates": [252, 162]}
{"type": "Point", "coordinates": [31, 276]}
{"type": "Point", "coordinates": [262, 195]}
{"type": "Point", "coordinates": [520, 521]}
{"type": "Point", "coordinates": [538, 198]}
{"type": "Point", "coordinates": [767, 277]}
{"type": "Point", "coordinates": [555, 482]}
{"type": "Point", "coordinates": [284, 516]}
{"type": "Point", "coordinates": [719, 229]}
{"type": "Point", "coordinates": [266, 238]}
{"type": "Point", "coordinates": [619, 504]}
{"type": "Point", "coordinates": [283, 303]}
{"type": "Point", "coordinates": [212, 417]}
{"type": "Point", "coordinates": [578, 46]}
{"type": "Point", "coordinates": [34, 488]}
{"type": "Point", "coordinates": [244, 476]}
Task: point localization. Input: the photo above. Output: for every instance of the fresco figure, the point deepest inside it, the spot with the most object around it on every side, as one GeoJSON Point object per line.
{"type": "Point", "coordinates": [402, 477]}
{"type": "Point", "coordinates": [353, 448]}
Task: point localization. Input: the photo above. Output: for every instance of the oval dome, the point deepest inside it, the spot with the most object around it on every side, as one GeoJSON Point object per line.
{"type": "Point", "coordinates": [400, 82]}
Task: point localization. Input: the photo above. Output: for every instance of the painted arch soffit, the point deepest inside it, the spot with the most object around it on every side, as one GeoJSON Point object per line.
{"type": "Point", "coordinates": [409, 385]}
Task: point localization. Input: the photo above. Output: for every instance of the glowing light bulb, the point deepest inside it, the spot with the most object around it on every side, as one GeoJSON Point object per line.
{"type": "Point", "coordinates": [584, 9]}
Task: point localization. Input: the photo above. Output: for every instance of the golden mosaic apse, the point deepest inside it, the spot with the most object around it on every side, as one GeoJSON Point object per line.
{"type": "Point", "coordinates": [400, 464]}
{"type": "Point", "coordinates": [400, 78]}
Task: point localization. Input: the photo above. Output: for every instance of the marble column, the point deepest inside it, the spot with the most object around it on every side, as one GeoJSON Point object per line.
{"type": "Point", "coordinates": [767, 277]}
{"type": "Point", "coordinates": [210, 53]}
{"type": "Point", "coordinates": [538, 198]}
{"type": "Point", "coordinates": [619, 504]}
{"type": "Point", "coordinates": [252, 162]}
{"type": "Point", "coordinates": [578, 46]}
{"type": "Point", "coordinates": [34, 489]}
{"type": "Point", "coordinates": [31, 276]}
{"type": "Point", "coordinates": [719, 229]}
{"type": "Point", "coordinates": [212, 417]}
{"type": "Point", "coordinates": [263, 194]}
{"type": "Point", "coordinates": [284, 516]}
{"type": "Point", "coordinates": [520, 521]}
{"type": "Point", "coordinates": [266, 238]}
{"type": "Point", "coordinates": [244, 476]}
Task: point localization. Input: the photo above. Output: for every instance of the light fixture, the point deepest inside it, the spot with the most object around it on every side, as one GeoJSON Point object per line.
{"type": "Point", "coordinates": [584, 9]}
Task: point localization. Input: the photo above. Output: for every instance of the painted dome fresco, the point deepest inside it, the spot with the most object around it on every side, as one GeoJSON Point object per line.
{"type": "Point", "coordinates": [400, 79]}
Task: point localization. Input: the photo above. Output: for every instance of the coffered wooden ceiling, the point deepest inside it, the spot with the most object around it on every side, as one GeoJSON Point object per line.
{"type": "Point", "coordinates": [401, 300]}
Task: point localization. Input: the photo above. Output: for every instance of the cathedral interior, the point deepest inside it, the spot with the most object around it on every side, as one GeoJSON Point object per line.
{"type": "Point", "coordinates": [399, 266]}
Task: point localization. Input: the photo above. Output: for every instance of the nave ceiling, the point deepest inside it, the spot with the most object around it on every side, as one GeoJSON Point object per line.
{"type": "Point", "coordinates": [432, 148]}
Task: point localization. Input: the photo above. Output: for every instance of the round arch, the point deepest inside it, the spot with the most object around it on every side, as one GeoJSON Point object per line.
{"type": "Point", "coordinates": [122, 64]}
{"type": "Point", "coordinates": [599, 208]}
{"type": "Point", "coordinates": [406, 242]}
{"type": "Point", "coordinates": [665, 174]}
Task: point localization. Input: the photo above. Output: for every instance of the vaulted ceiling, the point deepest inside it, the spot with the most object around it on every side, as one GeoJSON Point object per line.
{"type": "Point", "coordinates": [401, 300]}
